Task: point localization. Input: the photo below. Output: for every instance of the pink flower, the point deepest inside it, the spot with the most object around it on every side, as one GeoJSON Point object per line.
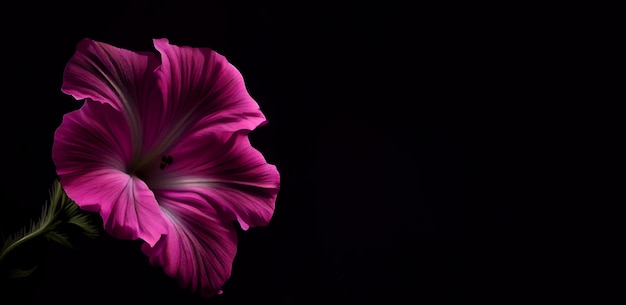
{"type": "Point", "coordinates": [160, 149]}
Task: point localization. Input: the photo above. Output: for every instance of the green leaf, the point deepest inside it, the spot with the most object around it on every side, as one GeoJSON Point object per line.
{"type": "Point", "coordinates": [59, 238]}
{"type": "Point", "coordinates": [40, 227]}
{"type": "Point", "coordinates": [59, 211]}
{"type": "Point", "coordinates": [19, 273]}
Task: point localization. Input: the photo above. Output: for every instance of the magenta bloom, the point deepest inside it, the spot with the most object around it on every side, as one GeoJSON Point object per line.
{"type": "Point", "coordinates": [160, 149]}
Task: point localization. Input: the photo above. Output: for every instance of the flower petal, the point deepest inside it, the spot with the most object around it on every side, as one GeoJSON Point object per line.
{"type": "Point", "coordinates": [200, 87]}
{"type": "Point", "coordinates": [200, 246]}
{"type": "Point", "coordinates": [91, 150]}
{"type": "Point", "coordinates": [109, 74]}
{"type": "Point", "coordinates": [92, 137]}
{"type": "Point", "coordinates": [229, 174]}
{"type": "Point", "coordinates": [122, 78]}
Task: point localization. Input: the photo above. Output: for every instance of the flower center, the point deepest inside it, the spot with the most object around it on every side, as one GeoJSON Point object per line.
{"type": "Point", "coordinates": [165, 161]}
{"type": "Point", "coordinates": [145, 168]}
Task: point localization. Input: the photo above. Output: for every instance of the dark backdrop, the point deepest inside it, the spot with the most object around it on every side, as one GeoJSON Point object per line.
{"type": "Point", "coordinates": [420, 148]}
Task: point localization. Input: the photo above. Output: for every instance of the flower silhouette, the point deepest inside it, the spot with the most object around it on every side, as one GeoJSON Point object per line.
{"type": "Point", "coordinates": [160, 149]}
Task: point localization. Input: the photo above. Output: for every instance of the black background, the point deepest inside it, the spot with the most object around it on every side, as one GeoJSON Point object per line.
{"type": "Point", "coordinates": [430, 153]}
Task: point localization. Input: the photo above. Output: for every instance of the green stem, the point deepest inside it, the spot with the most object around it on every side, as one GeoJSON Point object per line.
{"type": "Point", "coordinates": [24, 239]}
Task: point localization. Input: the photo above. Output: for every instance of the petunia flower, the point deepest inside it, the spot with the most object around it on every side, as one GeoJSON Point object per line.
{"type": "Point", "coordinates": [160, 149]}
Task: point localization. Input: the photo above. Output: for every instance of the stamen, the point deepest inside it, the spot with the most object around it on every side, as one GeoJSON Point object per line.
{"type": "Point", "coordinates": [165, 161]}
